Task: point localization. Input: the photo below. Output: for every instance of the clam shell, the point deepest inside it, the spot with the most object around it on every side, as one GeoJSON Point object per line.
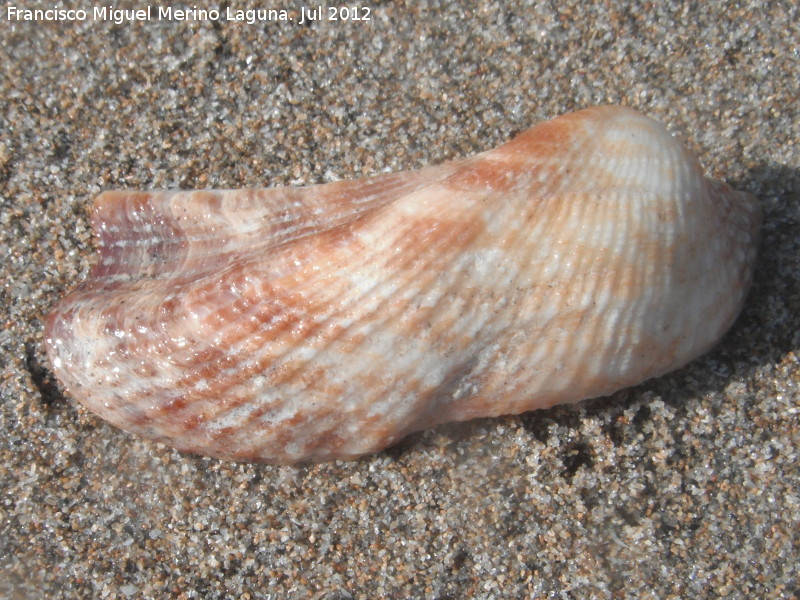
{"type": "Point", "coordinates": [295, 324]}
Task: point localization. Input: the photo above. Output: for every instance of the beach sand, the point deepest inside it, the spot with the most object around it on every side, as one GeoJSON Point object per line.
{"type": "Point", "coordinates": [683, 487]}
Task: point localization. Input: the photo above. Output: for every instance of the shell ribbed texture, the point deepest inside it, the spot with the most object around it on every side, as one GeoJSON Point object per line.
{"type": "Point", "coordinates": [293, 324]}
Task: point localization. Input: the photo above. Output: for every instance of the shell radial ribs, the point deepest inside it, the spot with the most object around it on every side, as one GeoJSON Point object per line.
{"type": "Point", "coordinates": [295, 324]}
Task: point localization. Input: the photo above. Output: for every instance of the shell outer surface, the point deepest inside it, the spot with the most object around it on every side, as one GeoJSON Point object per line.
{"type": "Point", "coordinates": [288, 325]}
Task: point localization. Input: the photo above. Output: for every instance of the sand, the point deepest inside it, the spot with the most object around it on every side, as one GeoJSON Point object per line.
{"type": "Point", "coordinates": [686, 486]}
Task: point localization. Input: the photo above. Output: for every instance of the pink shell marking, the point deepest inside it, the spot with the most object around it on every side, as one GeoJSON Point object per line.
{"type": "Point", "coordinates": [295, 324]}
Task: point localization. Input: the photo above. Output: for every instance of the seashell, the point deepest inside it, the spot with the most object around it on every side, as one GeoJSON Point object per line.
{"type": "Point", "coordinates": [295, 324]}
